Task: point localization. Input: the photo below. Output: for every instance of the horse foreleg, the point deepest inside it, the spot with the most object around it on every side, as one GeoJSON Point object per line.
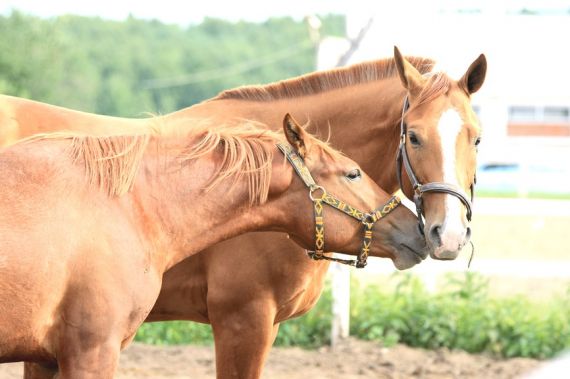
{"type": "Point", "coordinates": [34, 370]}
{"type": "Point", "coordinates": [96, 362]}
{"type": "Point", "coordinates": [243, 341]}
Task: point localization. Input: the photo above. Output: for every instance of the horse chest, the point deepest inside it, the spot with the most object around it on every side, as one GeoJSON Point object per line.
{"type": "Point", "coordinates": [302, 300]}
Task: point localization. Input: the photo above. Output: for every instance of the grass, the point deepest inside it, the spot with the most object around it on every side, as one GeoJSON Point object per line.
{"type": "Point", "coordinates": [516, 195]}
{"type": "Point", "coordinates": [520, 237]}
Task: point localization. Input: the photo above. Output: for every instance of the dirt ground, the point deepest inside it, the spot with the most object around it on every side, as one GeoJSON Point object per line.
{"type": "Point", "coordinates": [354, 359]}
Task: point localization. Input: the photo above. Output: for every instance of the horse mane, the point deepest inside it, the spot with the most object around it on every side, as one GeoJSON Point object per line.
{"type": "Point", "coordinates": [112, 162]}
{"type": "Point", "coordinates": [321, 81]}
{"type": "Point", "coordinates": [247, 150]}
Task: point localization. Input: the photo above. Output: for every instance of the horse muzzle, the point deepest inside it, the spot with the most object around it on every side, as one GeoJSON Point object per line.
{"type": "Point", "coordinates": [447, 243]}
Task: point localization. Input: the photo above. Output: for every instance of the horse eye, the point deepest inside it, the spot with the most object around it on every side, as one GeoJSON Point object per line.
{"type": "Point", "coordinates": [477, 141]}
{"type": "Point", "coordinates": [414, 140]}
{"type": "Point", "coordinates": [354, 175]}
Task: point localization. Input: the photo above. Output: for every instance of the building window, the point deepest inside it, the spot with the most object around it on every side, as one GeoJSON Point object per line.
{"type": "Point", "coordinates": [522, 113]}
{"type": "Point", "coordinates": [556, 114]}
{"type": "Point", "coordinates": [547, 115]}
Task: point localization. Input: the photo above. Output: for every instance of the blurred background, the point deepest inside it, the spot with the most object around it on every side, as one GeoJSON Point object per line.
{"type": "Point", "coordinates": [117, 58]}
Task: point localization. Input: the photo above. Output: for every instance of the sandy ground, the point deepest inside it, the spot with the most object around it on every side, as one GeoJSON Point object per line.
{"type": "Point", "coordinates": [354, 359]}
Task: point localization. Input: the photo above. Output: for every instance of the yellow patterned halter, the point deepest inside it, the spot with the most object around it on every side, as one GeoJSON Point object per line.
{"type": "Point", "coordinates": [319, 196]}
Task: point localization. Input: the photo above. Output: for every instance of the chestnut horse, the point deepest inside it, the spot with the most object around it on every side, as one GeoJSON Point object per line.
{"type": "Point", "coordinates": [90, 224]}
{"type": "Point", "coordinates": [362, 106]}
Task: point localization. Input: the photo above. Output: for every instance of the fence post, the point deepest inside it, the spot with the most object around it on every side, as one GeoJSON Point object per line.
{"type": "Point", "coordinates": [340, 278]}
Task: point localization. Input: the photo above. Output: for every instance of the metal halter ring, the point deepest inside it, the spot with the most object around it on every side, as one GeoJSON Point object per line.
{"type": "Point", "coordinates": [368, 218]}
{"type": "Point", "coordinates": [313, 189]}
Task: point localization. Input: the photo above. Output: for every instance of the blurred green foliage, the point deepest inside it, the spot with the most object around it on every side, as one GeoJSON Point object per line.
{"type": "Point", "coordinates": [175, 333]}
{"type": "Point", "coordinates": [463, 316]}
{"type": "Point", "coordinates": [135, 66]}
{"type": "Point", "coordinates": [530, 195]}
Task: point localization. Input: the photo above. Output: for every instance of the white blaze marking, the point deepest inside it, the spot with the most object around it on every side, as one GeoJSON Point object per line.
{"type": "Point", "coordinates": [449, 127]}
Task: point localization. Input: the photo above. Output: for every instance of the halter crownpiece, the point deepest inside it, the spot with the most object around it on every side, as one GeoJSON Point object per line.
{"type": "Point", "coordinates": [319, 195]}
{"type": "Point", "coordinates": [419, 188]}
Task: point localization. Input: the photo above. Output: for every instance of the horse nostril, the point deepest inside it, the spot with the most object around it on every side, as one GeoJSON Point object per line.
{"type": "Point", "coordinates": [435, 235]}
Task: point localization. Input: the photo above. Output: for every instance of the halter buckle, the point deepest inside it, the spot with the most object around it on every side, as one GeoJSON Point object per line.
{"type": "Point", "coordinates": [314, 255]}
{"type": "Point", "coordinates": [369, 218]}
{"type": "Point", "coordinates": [418, 189]}
{"type": "Point", "coordinates": [313, 188]}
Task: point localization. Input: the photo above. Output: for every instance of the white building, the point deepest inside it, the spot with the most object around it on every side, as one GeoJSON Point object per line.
{"type": "Point", "coordinates": [525, 101]}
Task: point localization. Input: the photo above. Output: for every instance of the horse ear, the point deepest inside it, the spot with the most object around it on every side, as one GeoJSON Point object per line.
{"type": "Point", "coordinates": [411, 78]}
{"type": "Point", "coordinates": [296, 135]}
{"type": "Point", "coordinates": [473, 79]}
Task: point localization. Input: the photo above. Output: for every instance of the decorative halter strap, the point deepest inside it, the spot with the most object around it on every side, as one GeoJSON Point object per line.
{"type": "Point", "coordinates": [367, 219]}
{"type": "Point", "coordinates": [419, 188]}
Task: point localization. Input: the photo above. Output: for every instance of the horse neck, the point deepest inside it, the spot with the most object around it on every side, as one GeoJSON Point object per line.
{"type": "Point", "coordinates": [363, 121]}
{"type": "Point", "coordinates": [178, 218]}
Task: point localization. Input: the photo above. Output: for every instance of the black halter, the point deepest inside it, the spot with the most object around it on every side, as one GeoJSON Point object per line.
{"type": "Point", "coordinates": [419, 188]}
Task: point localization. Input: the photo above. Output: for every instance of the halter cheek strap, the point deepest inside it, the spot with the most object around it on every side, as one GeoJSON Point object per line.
{"type": "Point", "coordinates": [420, 189]}
{"type": "Point", "coordinates": [319, 196]}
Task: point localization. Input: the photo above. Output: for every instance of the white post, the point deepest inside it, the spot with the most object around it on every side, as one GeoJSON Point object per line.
{"type": "Point", "coordinates": [340, 278]}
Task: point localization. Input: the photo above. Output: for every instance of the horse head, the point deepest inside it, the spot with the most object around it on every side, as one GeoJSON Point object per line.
{"type": "Point", "coordinates": [351, 213]}
{"type": "Point", "coordinates": [439, 137]}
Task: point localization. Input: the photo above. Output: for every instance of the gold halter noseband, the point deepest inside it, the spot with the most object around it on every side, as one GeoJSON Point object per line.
{"type": "Point", "coordinates": [367, 219]}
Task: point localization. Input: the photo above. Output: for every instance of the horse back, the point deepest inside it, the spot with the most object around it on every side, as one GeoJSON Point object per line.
{"type": "Point", "coordinates": [20, 118]}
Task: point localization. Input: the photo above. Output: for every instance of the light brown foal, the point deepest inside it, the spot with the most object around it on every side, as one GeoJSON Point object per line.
{"type": "Point", "coordinates": [90, 224]}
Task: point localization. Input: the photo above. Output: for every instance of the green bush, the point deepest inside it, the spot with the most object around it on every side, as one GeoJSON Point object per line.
{"type": "Point", "coordinates": [463, 316]}
{"type": "Point", "coordinates": [175, 333]}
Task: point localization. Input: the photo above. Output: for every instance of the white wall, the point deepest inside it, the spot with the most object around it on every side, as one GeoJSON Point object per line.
{"type": "Point", "coordinates": [528, 57]}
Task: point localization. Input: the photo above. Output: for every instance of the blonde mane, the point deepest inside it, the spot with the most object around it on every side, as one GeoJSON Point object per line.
{"type": "Point", "coordinates": [322, 81]}
{"type": "Point", "coordinates": [111, 162]}
{"type": "Point", "coordinates": [246, 150]}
